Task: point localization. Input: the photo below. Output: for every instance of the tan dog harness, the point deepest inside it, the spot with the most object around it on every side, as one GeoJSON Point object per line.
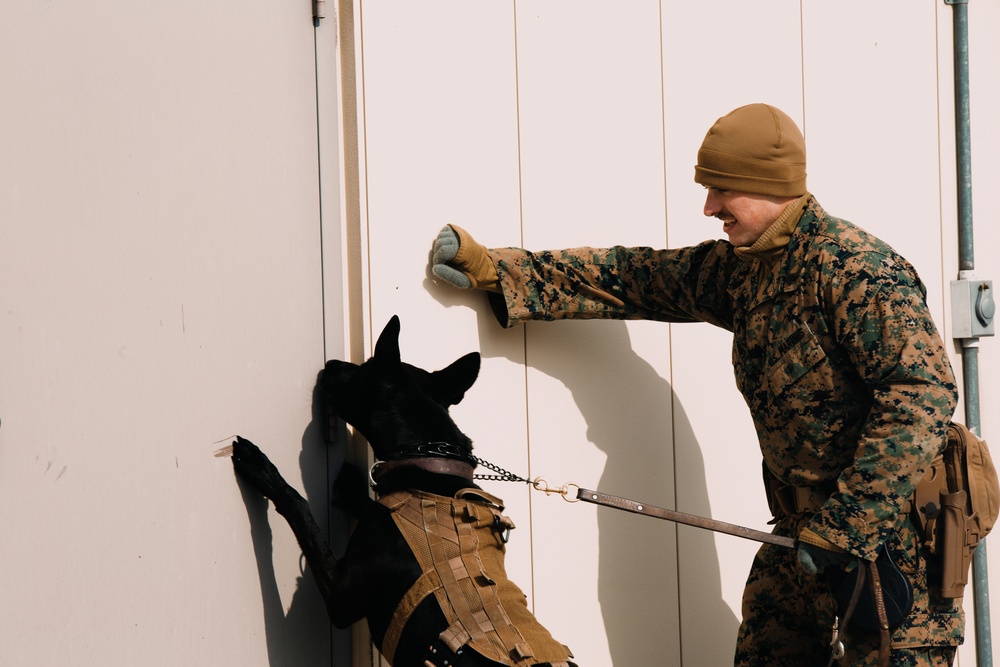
{"type": "Point", "coordinates": [459, 545]}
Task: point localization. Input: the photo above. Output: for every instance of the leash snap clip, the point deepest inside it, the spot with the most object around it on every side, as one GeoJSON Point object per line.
{"type": "Point", "coordinates": [540, 484]}
{"type": "Point", "coordinates": [836, 645]}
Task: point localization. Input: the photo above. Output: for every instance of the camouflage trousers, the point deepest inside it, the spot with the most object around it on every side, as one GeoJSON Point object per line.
{"type": "Point", "coordinates": [788, 615]}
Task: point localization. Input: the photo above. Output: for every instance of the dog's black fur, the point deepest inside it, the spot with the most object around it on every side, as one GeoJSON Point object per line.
{"type": "Point", "coordinates": [392, 404]}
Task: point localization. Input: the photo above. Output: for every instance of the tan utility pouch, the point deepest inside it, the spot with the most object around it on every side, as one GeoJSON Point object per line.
{"type": "Point", "coordinates": [956, 505]}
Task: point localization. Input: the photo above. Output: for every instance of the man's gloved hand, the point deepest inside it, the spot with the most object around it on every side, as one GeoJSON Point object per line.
{"type": "Point", "coordinates": [817, 553]}
{"type": "Point", "coordinates": [457, 259]}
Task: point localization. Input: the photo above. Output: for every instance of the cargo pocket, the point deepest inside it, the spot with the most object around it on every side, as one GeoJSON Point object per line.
{"type": "Point", "coordinates": [800, 356]}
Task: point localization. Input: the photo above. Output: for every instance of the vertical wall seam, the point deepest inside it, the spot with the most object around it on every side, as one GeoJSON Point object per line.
{"type": "Point", "coordinates": [945, 324]}
{"type": "Point", "coordinates": [802, 62]}
{"type": "Point", "coordinates": [663, 130]}
{"type": "Point", "coordinates": [524, 328]}
{"type": "Point", "coordinates": [349, 49]}
{"type": "Point", "coordinates": [322, 297]}
{"type": "Point", "coordinates": [670, 342]}
{"type": "Point", "coordinates": [352, 179]}
{"type": "Point", "coordinates": [517, 123]}
{"type": "Point", "coordinates": [366, 226]}
{"type": "Point", "coordinates": [319, 194]}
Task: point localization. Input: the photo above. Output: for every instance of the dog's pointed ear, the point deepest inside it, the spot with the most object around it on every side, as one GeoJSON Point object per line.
{"type": "Point", "coordinates": [451, 383]}
{"type": "Point", "coordinates": [387, 346]}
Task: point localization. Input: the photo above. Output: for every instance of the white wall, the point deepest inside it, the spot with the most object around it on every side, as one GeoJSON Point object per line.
{"type": "Point", "coordinates": [555, 124]}
{"type": "Point", "coordinates": [171, 273]}
{"type": "Point", "coordinates": [160, 291]}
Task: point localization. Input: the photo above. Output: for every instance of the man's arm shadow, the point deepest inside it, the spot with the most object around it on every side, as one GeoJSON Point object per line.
{"type": "Point", "coordinates": [622, 398]}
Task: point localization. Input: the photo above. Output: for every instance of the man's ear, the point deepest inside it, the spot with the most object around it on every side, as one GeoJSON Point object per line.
{"type": "Point", "coordinates": [451, 383]}
{"type": "Point", "coordinates": [387, 346]}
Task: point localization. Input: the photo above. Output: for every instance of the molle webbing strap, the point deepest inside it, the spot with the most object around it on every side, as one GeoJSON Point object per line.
{"type": "Point", "coordinates": [425, 585]}
{"type": "Point", "coordinates": [492, 616]}
{"type": "Point", "coordinates": [452, 569]}
{"type": "Point", "coordinates": [455, 542]}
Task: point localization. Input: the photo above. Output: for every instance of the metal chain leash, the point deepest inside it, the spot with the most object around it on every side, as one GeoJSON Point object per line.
{"type": "Point", "coordinates": [503, 476]}
{"type": "Point", "coordinates": [538, 483]}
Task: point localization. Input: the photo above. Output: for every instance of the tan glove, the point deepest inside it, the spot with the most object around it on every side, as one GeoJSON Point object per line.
{"type": "Point", "coordinates": [457, 259]}
{"type": "Point", "coordinates": [817, 553]}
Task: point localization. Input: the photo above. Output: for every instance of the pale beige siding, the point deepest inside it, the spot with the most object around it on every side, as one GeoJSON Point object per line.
{"type": "Point", "coordinates": [200, 202]}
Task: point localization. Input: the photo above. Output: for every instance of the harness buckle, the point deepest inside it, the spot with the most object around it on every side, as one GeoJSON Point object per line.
{"type": "Point", "coordinates": [371, 474]}
{"type": "Point", "coordinates": [502, 528]}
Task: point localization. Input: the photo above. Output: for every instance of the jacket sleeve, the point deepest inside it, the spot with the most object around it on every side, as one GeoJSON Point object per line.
{"type": "Point", "coordinates": [882, 321]}
{"type": "Point", "coordinates": [681, 285]}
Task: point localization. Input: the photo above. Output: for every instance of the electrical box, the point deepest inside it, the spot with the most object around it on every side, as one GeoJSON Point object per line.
{"type": "Point", "coordinates": [973, 308]}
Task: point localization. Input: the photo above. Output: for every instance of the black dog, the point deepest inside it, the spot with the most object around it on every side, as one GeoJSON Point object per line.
{"type": "Point", "coordinates": [425, 562]}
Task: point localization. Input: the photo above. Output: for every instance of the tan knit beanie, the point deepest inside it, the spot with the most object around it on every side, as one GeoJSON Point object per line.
{"type": "Point", "coordinates": [755, 148]}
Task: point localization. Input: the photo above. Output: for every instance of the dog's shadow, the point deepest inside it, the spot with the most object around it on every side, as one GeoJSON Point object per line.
{"type": "Point", "coordinates": [622, 398]}
{"type": "Point", "coordinates": [300, 634]}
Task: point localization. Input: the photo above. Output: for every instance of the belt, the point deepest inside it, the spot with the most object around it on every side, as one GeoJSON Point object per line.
{"type": "Point", "coordinates": [787, 500]}
{"type": "Point", "coordinates": [797, 500]}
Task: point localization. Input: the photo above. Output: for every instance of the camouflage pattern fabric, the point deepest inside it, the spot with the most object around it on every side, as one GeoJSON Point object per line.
{"type": "Point", "coordinates": [834, 350]}
{"type": "Point", "coordinates": [788, 615]}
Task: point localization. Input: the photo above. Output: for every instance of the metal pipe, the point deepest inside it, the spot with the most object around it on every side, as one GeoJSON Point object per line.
{"type": "Point", "coordinates": [966, 261]}
{"type": "Point", "coordinates": [980, 573]}
{"type": "Point", "coordinates": [963, 132]}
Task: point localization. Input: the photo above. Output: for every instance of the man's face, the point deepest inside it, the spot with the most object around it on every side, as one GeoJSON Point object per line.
{"type": "Point", "coordinates": [744, 215]}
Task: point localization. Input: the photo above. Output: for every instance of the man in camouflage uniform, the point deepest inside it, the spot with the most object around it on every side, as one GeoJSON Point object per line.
{"type": "Point", "coordinates": [843, 370]}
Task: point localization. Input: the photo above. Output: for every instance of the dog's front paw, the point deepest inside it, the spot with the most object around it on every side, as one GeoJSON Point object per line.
{"type": "Point", "coordinates": [253, 465]}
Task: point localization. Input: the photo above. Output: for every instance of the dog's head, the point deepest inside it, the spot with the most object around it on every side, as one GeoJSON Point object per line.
{"type": "Point", "coordinates": [393, 403]}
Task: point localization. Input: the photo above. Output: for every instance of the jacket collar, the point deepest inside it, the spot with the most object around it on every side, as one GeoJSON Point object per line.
{"type": "Point", "coordinates": [772, 243]}
{"type": "Point", "coordinates": [786, 267]}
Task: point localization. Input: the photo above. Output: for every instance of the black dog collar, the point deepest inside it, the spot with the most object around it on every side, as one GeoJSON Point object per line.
{"type": "Point", "coordinates": [442, 450]}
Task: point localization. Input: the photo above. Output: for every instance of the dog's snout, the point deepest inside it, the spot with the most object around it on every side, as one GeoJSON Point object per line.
{"type": "Point", "coordinates": [329, 370]}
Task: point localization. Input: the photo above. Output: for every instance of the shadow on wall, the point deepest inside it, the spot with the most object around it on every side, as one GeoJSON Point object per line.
{"type": "Point", "coordinates": [622, 399]}
{"type": "Point", "coordinates": [302, 635]}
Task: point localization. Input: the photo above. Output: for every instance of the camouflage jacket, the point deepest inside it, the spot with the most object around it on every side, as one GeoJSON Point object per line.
{"type": "Point", "coordinates": [834, 350]}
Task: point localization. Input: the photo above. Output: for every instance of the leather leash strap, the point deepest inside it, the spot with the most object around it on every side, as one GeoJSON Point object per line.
{"type": "Point", "coordinates": [627, 505]}
{"type": "Point", "coordinates": [624, 504]}
{"type": "Point", "coordinates": [837, 645]}
{"type": "Point", "coordinates": [883, 620]}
